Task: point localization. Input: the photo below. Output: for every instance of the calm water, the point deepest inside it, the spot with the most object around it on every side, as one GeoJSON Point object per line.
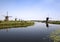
{"type": "Point", "coordinates": [36, 33]}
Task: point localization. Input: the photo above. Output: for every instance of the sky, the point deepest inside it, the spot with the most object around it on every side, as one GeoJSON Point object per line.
{"type": "Point", "coordinates": [30, 9]}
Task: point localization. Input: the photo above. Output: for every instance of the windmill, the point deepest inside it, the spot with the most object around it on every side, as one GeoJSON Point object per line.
{"type": "Point", "coordinates": [15, 19]}
{"type": "Point", "coordinates": [47, 18]}
{"type": "Point", "coordinates": [7, 17]}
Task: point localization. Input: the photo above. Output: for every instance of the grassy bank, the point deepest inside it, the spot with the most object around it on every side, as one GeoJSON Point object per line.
{"type": "Point", "coordinates": [54, 22]}
{"type": "Point", "coordinates": [10, 24]}
{"type": "Point", "coordinates": [55, 36]}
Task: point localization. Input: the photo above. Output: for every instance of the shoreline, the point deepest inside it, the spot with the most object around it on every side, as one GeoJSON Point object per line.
{"type": "Point", "coordinates": [54, 22]}
{"type": "Point", "coordinates": [11, 24]}
{"type": "Point", "coordinates": [51, 22]}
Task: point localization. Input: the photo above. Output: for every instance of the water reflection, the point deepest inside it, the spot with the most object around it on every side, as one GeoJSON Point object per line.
{"type": "Point", "coordinates": [47, 22]}
{"type": "Point", "coordinates": [47, 25]}
{"type": "Point", "coordinates": [7, 30]}
{"type": "Point", "coordinates": [36, 33]}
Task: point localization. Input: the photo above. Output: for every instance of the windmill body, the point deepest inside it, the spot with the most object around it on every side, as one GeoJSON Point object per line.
{"type": "Point", "coordinates": [6, 17]}
{"type": "Point", "coordinates": [47, 19]}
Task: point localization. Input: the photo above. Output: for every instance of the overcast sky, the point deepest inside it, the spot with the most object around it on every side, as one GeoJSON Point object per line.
{"type": "Point", "coordinates": [30, 9]}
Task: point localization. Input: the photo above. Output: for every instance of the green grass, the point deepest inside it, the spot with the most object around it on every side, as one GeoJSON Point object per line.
{"type": "Point", "coordinates": [54, 22]}
{"type": "Point", "coordinates": [10, 24]}
{"type": "Point", "coordinates": [55, 36]}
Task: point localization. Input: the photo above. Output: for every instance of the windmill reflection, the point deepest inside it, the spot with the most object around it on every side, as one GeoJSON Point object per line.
{"type": "Point", "coordinates": [47, 22]}
{"type": "Point", "coordinates": [47, 25]}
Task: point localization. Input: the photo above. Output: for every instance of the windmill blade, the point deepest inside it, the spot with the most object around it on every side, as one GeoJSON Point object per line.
{"type": "Point", "coordinates": [7, 13]}
{"type": "Point", "coordinates": [50, 18]}
{"type": "Point", "coordinates": [3, 15]}
{"type": "Point", "coordinates": [9, 16]}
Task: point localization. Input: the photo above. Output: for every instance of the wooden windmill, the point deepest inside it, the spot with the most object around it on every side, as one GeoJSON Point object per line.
{"type": "Point", "coordinates": [47, 18]}
{"type": "Point", "coordinates": [7, 17]}
{"type": "Point", "coordinates": [15, 19]}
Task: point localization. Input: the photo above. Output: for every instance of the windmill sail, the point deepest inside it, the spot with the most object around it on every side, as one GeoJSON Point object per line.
{"type": "Point", "coordinates": [7, 17]}
{"type": "Point", "coordinates": [7, 13]}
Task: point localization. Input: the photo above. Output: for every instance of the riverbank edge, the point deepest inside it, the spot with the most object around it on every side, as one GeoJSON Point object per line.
{"type": "Point", "coordinates": [51, 22]}
{"type": "Point", "coordinates": [14, 24]}
{"type": "Point", "coordinates": [54, 22]}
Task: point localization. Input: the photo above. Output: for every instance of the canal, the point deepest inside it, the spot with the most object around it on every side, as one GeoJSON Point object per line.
{"type": "Point", "coordinates": [39, 32]}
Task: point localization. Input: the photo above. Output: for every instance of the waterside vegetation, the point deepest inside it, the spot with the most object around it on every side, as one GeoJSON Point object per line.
{"type": "Point", "coordinates": [51, 22]}
{"type": "Point", "coordinates": [55, 36]}
{"type": "Point", "coordinates": [54, 22]}
{"type": "Point", "coordinates": [10, 24]}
